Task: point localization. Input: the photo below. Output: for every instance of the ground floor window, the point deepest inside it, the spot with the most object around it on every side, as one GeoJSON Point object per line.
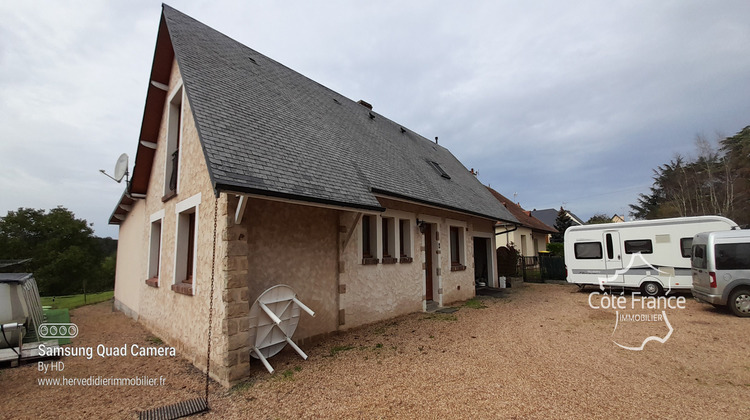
{"type": "Point", "coordinates": [154, 255]}
{"type": "Point", "coordinates": [369, 239]}
{"type": "Point", "coordinates": [388, 237]}
{"type": "Point", "coordinates": [404, 241]}
{"type": "Point", "coordinates": [457, 248]}
{"type": "Point", "coordinates": [186, 246]}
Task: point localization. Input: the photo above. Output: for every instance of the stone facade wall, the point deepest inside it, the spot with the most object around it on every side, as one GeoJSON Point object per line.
{"type": "Point", "coordinates": [295, 245]}
{"type": "Point", "coordinates": [180, 320]}
{"type": "Point", "coordinates": [377, 291]}
{"type": "Point", "coordinates": [380, 291]}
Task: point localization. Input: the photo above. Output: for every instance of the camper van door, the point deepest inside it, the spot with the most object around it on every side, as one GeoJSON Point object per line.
{"type": "Point", "coordinates": [613, 256]}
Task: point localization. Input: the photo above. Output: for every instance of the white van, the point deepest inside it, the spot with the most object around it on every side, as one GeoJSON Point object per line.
{"type": "Point", "coordinates": [721, 269]}
{"type": "Point", "coordinates": [652, 255]}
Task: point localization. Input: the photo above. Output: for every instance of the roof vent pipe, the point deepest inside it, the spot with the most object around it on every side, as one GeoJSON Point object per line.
{"type": "Point", "coordinates": [436, 140]}
{"type": "Point", "coordinates": [365, 104]}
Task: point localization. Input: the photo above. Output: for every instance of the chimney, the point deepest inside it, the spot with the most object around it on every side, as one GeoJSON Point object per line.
{"type": "Point", "coordinates": [365, 104]}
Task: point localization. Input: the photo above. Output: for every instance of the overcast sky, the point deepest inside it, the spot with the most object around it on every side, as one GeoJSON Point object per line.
{"type": "Point", "coordinates": [561, 102]}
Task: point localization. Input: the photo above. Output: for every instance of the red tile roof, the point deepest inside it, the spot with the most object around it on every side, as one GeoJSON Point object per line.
{"type": "Point", "coordinates": [523, 216]}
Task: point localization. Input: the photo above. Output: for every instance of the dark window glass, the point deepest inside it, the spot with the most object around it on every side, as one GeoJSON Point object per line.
{"type": "Point", "coordinates": [402, 241]}
{"type": "Point", "coordinates": [191, 245]}
{"type": "Point", "coordinates": [732, 256]}
{"type": "Point", "coordinates": [386, 251]}
{"type": "Point", "coordinates": [366, 251]}
{"type": "Point", "coordinates": [588, 250]}
{"type": "Point", "coordinates": [610, 250]}
{"type": "Point", "coordinates": [455, 258]}
{"type": "Point", "coordinates": [698, 260]}
{"type": "Point", "coordinates": [686, 244]}
{"type": "Point", "coordinates": [644, 246]}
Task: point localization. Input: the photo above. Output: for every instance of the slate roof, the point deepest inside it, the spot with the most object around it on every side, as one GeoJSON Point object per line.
{"type": "Point", "coordinates": [549, 216]}
{"type": "Point", "coordinates": [266, 129]}
{"type": "Point", "coordinates": [523, 216]}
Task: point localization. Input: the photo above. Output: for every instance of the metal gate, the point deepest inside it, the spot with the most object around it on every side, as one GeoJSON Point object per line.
{"type": "Point", "coordinates": [552, 267]}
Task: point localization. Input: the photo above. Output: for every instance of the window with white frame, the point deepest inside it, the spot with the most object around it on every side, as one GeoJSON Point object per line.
{"type": "Point", "coordinates": [186, 245]}
{"type": "Point", "coordinates": [369, 239]}
{"type": "Point", "coordinates": [388, 240]}
{"type": "Point", "coordinates": [154, 254]}
{"type": "Point", "coordinates": [404, 241]}
{"type": "Point", "coordinates": [458, 261]}
{"type": "Point", "coordinates": [174, 138]}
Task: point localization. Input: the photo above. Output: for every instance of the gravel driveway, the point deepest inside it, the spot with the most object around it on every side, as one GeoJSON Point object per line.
{"type": "Point", "coordinates": [538, 352]}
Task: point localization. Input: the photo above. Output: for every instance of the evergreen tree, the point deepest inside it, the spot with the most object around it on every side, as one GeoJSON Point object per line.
{"type": "Point", "coordinates": [562, 223]}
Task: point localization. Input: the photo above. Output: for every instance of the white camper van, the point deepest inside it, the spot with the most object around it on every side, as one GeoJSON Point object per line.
{"type": "Point", "coordinates": [652, 255]}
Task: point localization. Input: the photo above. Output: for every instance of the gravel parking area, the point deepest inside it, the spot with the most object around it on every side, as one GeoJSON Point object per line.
{"type": "Point", "coordinates": [540, 351]}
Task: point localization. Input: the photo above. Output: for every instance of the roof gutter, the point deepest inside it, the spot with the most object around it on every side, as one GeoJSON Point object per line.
{"type": "Point", "coordinates": [515, 228]}
{"type": "Point", "coordinates": [388, 194]}
{"type": "Point", "coordinates": [298, 199]}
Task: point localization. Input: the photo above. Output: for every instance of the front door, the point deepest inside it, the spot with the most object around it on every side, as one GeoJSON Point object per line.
{"type": "Point", "coordinates": [613, 257]}
{"type": "Point", "coordinates": [481, 263]}
{"type": "Point", "coordinates": [428, 260]}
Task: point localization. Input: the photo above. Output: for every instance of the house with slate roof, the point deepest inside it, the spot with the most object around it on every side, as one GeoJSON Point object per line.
{"type": "Point", "coordinates": [549, 216]}
{"type": "Point", "coordinates": [363, 217]}
{"type": "Point", "coordinates": [529, 236]}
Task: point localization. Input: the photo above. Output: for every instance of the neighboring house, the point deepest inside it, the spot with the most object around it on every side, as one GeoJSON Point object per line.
{"type": "Point", "coordinates": [618, 219]}
{"type": "Point", "coordinates": [549, 216]}
{"type": "Point", "coordinates": [529, 237]}
{"type": "Point", "coordinates": [363, 217]}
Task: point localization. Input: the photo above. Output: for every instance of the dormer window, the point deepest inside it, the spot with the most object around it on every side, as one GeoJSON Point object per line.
{"type": "Point", "coordinates": [436, 166]}
{"type": "Point", "coordinates": [174, 138]}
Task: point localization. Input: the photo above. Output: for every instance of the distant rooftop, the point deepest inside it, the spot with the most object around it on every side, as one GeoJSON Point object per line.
{"type": "Point", "coordinates": [549, 216]}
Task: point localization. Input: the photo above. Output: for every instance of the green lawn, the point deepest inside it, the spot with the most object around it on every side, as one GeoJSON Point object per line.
{"type": "Point", "coordinates": [74, 301]}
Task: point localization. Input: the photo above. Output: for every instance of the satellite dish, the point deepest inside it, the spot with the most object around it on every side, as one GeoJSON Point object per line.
{"type": "Point", "coordinates": [121, 167]}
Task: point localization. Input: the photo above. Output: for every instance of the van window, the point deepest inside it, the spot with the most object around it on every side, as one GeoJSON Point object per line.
{"type": "Point", "coordinates": [610, 250]}
{"type": "Point", "coordinates": [732, 256]}
{"type": "Point", "coordinates": [643, 246]}
{"type": "Point", "coordinates": [588, 250]}
{"type": "Point", "coordinates": [685, 245]}
{"type": "Point", "coordinates": [698, 260]}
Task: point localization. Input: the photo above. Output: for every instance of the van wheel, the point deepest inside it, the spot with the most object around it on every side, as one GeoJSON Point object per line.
{"type": "Point", "coordinates": [739, 302]}
{"type": "Point", "coordinates": [651, 288]}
